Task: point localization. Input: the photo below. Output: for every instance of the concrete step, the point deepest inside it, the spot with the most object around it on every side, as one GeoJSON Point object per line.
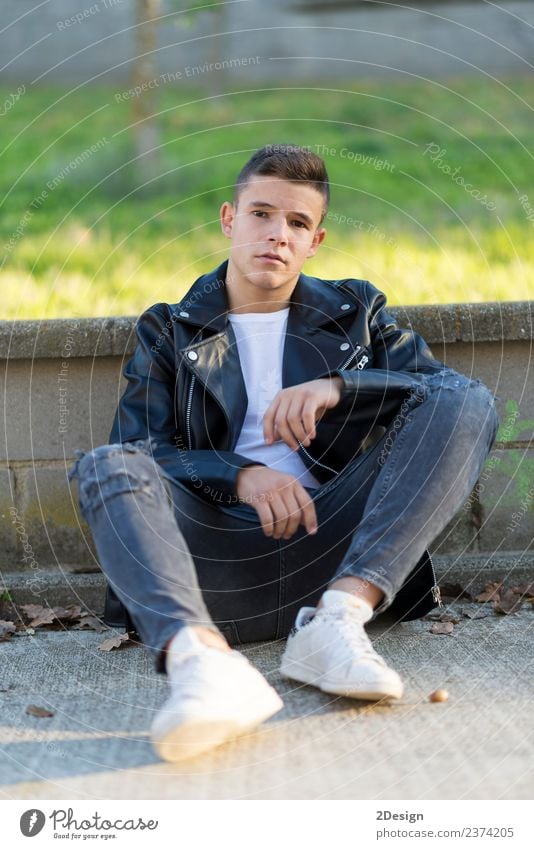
{"type": "Point", "coordinates": [68, 585]}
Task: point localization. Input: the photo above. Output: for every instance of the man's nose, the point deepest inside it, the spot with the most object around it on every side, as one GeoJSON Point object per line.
{"type": "Point", "coordinates": [279, 231]}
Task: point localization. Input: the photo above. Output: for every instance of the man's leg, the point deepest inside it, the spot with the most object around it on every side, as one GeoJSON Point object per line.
{"type": "Point", "coordinates": [428, 463]}
{"type": "Point", "coordinates": [140, 547]}
{"type": "Point", "coordinates": [435, 452]}
{"type": "Point", "coordinates": [216, 695]}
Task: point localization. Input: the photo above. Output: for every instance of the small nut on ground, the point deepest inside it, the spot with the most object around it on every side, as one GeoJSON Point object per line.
{"type": "Point", "coordinates": [438, 696]}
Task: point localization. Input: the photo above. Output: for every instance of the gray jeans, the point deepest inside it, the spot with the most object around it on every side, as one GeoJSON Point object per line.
{"type": "Point", "coordinates": [174, 558]}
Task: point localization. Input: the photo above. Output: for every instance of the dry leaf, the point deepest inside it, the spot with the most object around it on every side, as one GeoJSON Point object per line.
{"type": "Point", "coordinates": [115, 642]}
{"type": "Point", "coordinates": [7, 629]}
{"type": "Point", "coordinates": [491, 592]}
{"type": "Point", "coordinates": [44, 618]}
{"type": "Point", "coordinates": [509, 602]}
{"type": "Point", "coordinates": [90, 623]}
{"type": "Point", "coordinates": [35, 710]}
{"type": "Point", "coordinates": [33, 610]}
{"type": "Point", "coordinates": [73, 611]}
{"type": "Point", "coordinates": [442, 628]}
{"type": "Point", "coordinates": [443, 617]}
{"type": "Point", "coordinates": [477, 613]}
{"type": "Point", "coordinates": [524, 589]}
{"type": "Point", "coordinates": [40, 615]}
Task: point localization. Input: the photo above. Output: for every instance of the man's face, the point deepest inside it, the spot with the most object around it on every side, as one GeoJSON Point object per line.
{"type": "Point", "coordinates": [273, 218]}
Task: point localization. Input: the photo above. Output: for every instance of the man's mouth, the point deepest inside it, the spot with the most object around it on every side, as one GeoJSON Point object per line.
{"type": "Point", "coordinates": [271, 258]}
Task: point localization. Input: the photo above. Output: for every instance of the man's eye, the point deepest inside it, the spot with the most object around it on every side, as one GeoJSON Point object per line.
{"type": "Point", "coordinates": [300, 223]}
{"type": "Point", "coordinates": [259, 212]}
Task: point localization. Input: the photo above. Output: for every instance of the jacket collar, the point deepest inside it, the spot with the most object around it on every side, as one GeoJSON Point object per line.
{"type": "Point", "coordinates": [313, 302]}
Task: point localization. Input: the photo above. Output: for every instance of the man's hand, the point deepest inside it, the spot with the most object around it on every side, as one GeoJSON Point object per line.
{"type": "Point", "coordinates": [293, 412]}
{"type": "Point", "coordinates": [281, 502]}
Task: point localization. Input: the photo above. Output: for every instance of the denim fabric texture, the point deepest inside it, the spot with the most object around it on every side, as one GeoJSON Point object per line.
{"type": "Point", "coordinates": [173, 558]}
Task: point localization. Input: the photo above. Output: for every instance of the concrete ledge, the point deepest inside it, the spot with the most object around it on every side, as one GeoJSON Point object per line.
{"type": "Point", "coordinates": [61, 588]}
{"type": "Point", "coordinates": [66, 337]}
{"type": "Point", "coordinates": [104, 337]}
{"type": "Point", "coordinates": [56, 588]}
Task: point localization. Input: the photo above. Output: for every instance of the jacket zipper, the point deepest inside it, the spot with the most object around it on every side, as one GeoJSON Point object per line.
{"type": "Point", "coordinates": [318, 462]}
{"type": "Point", "coordinates": [351, 357]}
{"type": "Point", "coordinates": [188, 411]}
{"type": "Point", "coordinates": [361, 364]}
{"type": "Point", "coordinates": [436, 593]}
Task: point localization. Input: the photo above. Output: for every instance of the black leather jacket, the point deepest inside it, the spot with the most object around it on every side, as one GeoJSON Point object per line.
{"type": "Point", "coordinates": [186, 391]}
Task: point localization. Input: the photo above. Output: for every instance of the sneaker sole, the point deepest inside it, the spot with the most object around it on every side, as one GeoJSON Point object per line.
{"type": "Point", "coordinates": [193, 737]}
{"type": "Point", "coordinates": [306, 675]}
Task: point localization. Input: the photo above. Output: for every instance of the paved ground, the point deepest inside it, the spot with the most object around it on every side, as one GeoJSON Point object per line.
{"type": "Point", "coordinates": [478, 745]}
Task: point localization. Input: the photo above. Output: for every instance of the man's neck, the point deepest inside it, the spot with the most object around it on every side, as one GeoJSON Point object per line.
{"type": "Point", "coordinates": [243, 297]}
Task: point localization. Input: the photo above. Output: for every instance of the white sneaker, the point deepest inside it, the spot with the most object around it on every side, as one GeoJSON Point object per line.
{"type": "Point", "coordinates": [216, 696]}
{"type": "Point", "coordinates": [329, 648]}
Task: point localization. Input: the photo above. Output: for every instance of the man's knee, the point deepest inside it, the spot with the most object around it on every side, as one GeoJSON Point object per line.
{"type": "Point", "coordinates": [112, 455]}
{"type": "Point", "coordinates": [465, 406]}
{"type": "Point", "coordinates": [115, 469]}
{"type": "Point", "coordinates": [478, 403]}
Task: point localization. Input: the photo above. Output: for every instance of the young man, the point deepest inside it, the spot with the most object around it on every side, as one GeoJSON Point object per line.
{"type": "Point", "coordinates": [281, 458]}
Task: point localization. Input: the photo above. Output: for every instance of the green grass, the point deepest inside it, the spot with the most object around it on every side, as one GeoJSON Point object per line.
{"type": "Point", "coordinates": [96, 245]}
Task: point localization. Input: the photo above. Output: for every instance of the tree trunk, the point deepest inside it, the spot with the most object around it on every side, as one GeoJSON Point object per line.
{"type": "Point", "coordinates": [146, 130]}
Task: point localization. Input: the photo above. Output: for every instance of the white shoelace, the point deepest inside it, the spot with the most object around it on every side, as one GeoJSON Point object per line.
{"type": "Point", "coordinates": [352, 631]}
{"type": "Point", "coordinates": [191, 669]}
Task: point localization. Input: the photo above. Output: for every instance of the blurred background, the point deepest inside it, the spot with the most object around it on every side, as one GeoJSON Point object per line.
{"type": "Point", "coordinates": [123, 124]}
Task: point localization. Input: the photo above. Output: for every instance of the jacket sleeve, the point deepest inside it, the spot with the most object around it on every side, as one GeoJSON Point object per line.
{"type": "Point", "coordinates": [398, 356]}
{"type": "Point", "coordinates": [146, 411]}
{"type": "Point", "coordinates": [393, 348]}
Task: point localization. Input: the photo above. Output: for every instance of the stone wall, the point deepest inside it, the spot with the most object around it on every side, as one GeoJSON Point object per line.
{"type": "Point", "coordinates": [62, 380]}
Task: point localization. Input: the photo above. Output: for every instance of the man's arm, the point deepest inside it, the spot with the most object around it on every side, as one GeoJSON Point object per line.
{"type": "Point", "coordinates": [146, 410]}
{"type": "Point", "coordinates": [395, 348]}
{"type": "Point", "coordinates": [397, 358]}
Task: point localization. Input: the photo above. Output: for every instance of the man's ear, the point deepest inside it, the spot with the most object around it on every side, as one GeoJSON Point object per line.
{"type": "Point", "coordinates": [319, 237]}
{"type": "Point", "coordinates": [227, 214]}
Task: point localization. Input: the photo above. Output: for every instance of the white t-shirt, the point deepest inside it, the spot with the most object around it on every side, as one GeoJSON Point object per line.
{"type": "Point", "coordinates": [260, 343]}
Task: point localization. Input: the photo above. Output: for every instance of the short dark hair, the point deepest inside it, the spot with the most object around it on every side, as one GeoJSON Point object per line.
{"type": "Point", "coordinates": [291, 162]}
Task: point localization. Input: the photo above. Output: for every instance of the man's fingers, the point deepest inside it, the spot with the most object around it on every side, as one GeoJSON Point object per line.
{"type": "Point", "coordinates": [281, 502]}
{"type": "Point", "coordinates": [280, 516]}
{"type": "Point", "coordinates": [282, 426]}
{"type": "Point", "coordinates": [308, 512]}
{"type": "Point", "coordinates": [294, 512]}
{"type": "Point", "coordinates": [308, 418]}
{"type": "Point", "coordinates": [268, 421]}
{"type": "Point", "coordinates": [265, 516]}
{"type": "Point", "coordinates": [291, 416]}
{"type": "Point", "coordinates": [295, 421]}
{"type": "Point", "coordinates": [270, 418]}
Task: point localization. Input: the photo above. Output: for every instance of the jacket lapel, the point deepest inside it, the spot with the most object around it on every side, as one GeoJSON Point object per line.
{"type": "Point", "coordinates": [309, 349]}
{"type": "Point", "coordinates": [218, 368]}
